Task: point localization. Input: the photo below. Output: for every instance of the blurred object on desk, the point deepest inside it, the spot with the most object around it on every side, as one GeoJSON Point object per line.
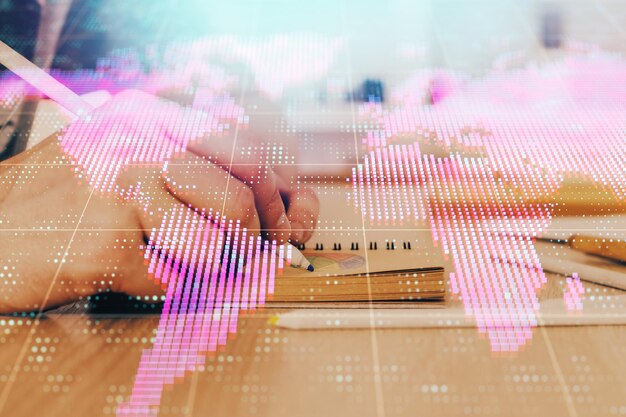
{"type": "Point", "coordinates": [584, 196]}
{"type": "Point", "coordinates": [370, 90]}
{"type": "Point", "coordinates": [576, 196]}
{"type": "Point", "coordinates": [601, 226]}
{"type": "Point", "coordinates": [554, 313]}
{"type": "Point", "coordinates": [551, 28]}
{"type": "Point", "coordinates": [559, 255]}
{"type": "Point", "coordinates": [607, 248]}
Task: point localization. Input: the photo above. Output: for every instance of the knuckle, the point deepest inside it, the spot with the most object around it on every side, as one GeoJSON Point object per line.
{"type": "Point", "coordinates": [243, 202]}
{"type": "Point", "coordinates": [311, 196]}
{"type": "Point", "coordinates": [275, 203]}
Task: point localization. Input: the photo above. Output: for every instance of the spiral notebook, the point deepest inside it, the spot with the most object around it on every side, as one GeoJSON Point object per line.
{"type": "Point", "coordinates": [346, 271]}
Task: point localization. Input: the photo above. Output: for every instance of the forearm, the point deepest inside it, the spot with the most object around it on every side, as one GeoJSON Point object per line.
{"type": "Point", "coordinates": [35, 178]}
{"type": "Point", "coordinates": [38, 205]}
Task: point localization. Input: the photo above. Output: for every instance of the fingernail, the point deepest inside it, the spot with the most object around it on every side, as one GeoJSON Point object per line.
{"type": "Point", "coordinates": [283, 222]}
{"type": "Point", "coordinates": [283, 229]}
{"type": "Point", "coordinates": [297, 231]}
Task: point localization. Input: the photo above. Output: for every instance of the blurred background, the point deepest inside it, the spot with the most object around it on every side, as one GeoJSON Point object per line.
{"type": "Point", "coordinates": [369, 39]}
{"type": "Point", "coordinates": [311, 60]}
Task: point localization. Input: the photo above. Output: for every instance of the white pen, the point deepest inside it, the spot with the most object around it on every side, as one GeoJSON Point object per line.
{"type": "Point", "coordinates": [298, 260]}
{"type": "Point", "coordinates": [589, 273]}
{"type": "Point", "coordinates": [43, 81]}
{"type": "Point", "coordinates": [553, 313]}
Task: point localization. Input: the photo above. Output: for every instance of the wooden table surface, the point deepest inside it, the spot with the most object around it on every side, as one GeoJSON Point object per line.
{"type": "Point", "coordinates": [83, 365]}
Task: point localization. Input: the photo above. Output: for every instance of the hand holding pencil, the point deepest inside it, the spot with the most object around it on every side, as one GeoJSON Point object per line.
{"type": "Point", "coordinates": [244, 189]}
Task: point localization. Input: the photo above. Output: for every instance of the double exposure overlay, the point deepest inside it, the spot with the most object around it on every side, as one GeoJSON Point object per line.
{"type": "Point", "coordinates": [312, 209]}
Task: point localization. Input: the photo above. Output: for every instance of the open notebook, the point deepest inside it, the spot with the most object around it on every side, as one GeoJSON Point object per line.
{"type": "Point", "coordinates": [385, 270]}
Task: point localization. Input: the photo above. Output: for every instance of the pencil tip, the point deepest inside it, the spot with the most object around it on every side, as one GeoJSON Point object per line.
{"type": "Point", "coordinates": [310, 268]}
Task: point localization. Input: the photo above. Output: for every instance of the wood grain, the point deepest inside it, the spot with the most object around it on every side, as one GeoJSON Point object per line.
{"type": "Point", "coordinates": [84, 365]}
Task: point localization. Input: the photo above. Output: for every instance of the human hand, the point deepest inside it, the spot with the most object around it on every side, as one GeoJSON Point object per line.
{"type": "Point", "coordinates": [72, 238]}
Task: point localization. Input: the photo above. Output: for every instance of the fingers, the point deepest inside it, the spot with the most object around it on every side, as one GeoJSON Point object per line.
{"type": "Point", "coordinates": [130, 275]}
{"type": "Point", "coordinates": [304, 208]}
{"type": "Point", "coordinates": [249, 162]}
{"type": "Point", "coordinates": [271, 211]}
{"type": "Point", "coordinates": [205, 186]}
{"type": "Point", "coordinates": [175, 230]}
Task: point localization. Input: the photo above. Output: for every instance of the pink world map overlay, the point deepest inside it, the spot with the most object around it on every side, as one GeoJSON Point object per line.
{"type": "Point", "coordinates": [511, 138]}
{"type": "Point", "coordinates": [511, 135]}
{"type": "Point", "coordinates": [209, 265]}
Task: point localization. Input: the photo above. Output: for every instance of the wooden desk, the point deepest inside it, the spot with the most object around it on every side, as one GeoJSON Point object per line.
{"type": "Point", "coordinates": [82, 365]}
{"type": "Point", "coordinates": [79, 366]}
